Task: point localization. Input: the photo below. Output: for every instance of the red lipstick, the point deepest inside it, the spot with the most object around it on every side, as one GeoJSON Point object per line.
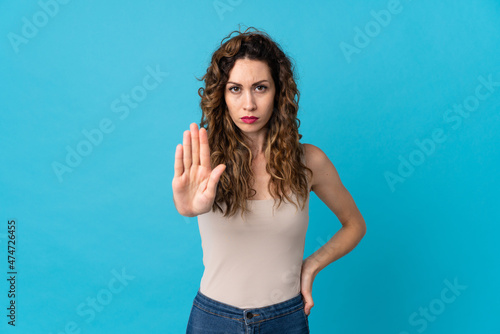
{"type": "Point", "coordinates": [249, 119]}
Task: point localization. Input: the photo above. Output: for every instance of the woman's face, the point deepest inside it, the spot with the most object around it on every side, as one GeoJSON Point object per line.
{"type": "Point", "coordinates": [250, 92]}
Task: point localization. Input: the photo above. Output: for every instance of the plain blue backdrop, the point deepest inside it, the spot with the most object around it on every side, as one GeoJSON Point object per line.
{"type": "Point", "coordinates": [403, 96]}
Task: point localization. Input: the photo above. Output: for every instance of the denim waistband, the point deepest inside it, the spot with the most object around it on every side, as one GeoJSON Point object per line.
{"type": "Point", "coordinates": [249, 315]}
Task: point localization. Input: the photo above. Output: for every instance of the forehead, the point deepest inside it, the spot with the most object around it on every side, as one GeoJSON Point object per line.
{"type": "Point", "coordinates": [249, 71]}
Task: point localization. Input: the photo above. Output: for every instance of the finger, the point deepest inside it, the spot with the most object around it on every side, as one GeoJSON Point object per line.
{"type": "Point", "coordinates": [195, 142]}
{"type": "Point", "coordinates": [204, 149]}
{"type": "Point", "coordinates": [308, 303]}
{"type": "Point", "coordinates": [178, 166]}
{"type": "Point", "coordinates": [214, 178]}
{"type": "Point", "coordinates": [187, 149]}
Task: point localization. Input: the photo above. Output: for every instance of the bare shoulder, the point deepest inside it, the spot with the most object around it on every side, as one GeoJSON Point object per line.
{"type": "Point", "coordinates": [314, 155]}
{"type": "Point", "coordinates": [318, 162]}
{"type": "Point", "coordinates": [327, 185]}
{"type": "Point", "coordinates": [325, 176]}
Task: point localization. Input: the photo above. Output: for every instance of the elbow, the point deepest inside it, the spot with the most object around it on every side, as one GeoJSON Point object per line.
{"type": "Point", "coordinates": [359, 225]}
{"type": "Point", "coordinates": [362, 227]}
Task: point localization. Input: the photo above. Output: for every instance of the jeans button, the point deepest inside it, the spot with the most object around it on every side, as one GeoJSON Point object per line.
{"type": "Point", "coordinates": [249, 315]}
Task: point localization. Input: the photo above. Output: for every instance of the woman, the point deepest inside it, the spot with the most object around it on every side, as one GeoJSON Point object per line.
{"type": "Point", "coordinates": [253, 206]}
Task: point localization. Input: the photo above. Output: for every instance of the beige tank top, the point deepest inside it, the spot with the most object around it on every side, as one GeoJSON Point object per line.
{"type": "Point", "coordinates": [255, 261]}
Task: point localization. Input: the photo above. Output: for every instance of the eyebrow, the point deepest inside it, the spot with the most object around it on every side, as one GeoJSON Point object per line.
{"type": "Point", "coordinates": [255, 84]}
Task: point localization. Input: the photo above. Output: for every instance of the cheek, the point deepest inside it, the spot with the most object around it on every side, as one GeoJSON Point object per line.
{"type": "Point", "coordinates": [231, 107]}
{"type": "Point", "coordinates": [270, 103]}
{"type": "Point", "coordinates": [230, 101]}
{"type": "Point", "coordinates": [270, 99]}
{"type": "Point", "coordinates": [234, 106]}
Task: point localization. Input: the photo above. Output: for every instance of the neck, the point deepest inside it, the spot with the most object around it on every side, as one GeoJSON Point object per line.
{"type": "Point", "coordinates": [256, 142]}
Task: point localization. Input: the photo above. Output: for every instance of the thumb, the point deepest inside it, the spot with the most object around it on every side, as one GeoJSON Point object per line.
{"type": "Point", "coordinates": [308, 303]}
{"type": "Point", "coordinates": [214, 178]}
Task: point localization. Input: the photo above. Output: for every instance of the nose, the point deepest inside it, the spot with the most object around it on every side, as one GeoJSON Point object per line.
{"type": "Point", "coordinates": [249, 102]}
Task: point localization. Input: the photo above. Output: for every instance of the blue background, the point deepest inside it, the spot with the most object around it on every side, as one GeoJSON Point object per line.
{"type": "Point", "coordinates": [114, 211]}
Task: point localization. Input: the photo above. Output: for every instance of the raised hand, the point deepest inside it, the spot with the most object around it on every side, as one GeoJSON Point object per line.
{"type": "Point", "coordinates": [194, 182]}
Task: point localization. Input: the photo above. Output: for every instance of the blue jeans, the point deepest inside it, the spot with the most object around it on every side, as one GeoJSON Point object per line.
{"type": "Point", "coordinates": [209, 316]}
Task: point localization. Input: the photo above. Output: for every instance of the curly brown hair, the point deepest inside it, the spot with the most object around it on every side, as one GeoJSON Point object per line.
{"type": "Point", "coordinates": [282, 149]}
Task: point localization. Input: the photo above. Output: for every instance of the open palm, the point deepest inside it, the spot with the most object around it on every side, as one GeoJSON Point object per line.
{"type": "Point", "coordinates": [194, 183]}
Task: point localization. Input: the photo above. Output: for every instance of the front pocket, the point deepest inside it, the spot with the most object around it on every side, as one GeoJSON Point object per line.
{"type": "Point", "coordinates": [305, 316]}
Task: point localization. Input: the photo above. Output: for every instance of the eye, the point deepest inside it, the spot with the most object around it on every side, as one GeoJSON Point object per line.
{"type": "Point", "coordinates": [231, 89]}
{"type": "Point", "coordinates": [263, 88]}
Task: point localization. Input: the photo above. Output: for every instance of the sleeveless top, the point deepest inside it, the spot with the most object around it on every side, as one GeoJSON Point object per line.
{"type": "Point", "coordinates": [254, 261]}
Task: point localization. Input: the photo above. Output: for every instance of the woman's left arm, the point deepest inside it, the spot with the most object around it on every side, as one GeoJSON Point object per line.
{"type": "Point", "coordinates": [327, 186]}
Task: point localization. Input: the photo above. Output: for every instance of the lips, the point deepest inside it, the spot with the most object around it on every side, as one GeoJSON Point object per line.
{"type": "Point", "coordinates": [249, 119]}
